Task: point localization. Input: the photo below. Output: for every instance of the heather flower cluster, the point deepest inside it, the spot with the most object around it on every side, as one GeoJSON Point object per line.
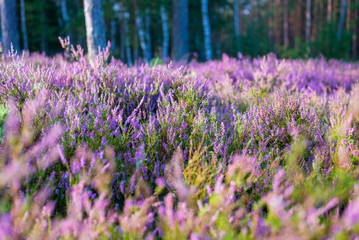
{"type": "Point", "coordinates": [230, 149]}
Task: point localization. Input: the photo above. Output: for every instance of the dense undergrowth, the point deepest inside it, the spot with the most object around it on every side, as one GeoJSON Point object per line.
{"type": "Point", "coordinates": [237, 148]}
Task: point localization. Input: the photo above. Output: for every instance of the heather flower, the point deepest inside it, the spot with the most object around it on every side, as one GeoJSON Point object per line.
{"type": "Point", "coordinates": [175, 178]}
{"type": "Point", "coordinates": [351, 214]}
{"type": "Point", "coordinates": [234, 148]}
{"type": "Point", "coordinates": [136, 218]}
{"type": "Point", "coordinates": [242, 167]}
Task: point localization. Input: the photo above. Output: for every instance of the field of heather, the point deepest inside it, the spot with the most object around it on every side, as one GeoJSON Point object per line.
{"type": "Point", "coordinates": [232, 149]}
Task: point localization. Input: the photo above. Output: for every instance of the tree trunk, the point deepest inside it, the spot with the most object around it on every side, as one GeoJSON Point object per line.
{"type": "Point", "coordinates": [9, 26]}
{"type": "Point", "coordinates": [1, 42]}
{"type": "Point", "coordinates": [25, 41]}
{"type": "Point", "coordinates": [206, 30]}
{"type": "Point", "coordinates": [236, 24]}
{"type": "Point", "coordinates": [308, 24]}
{"type": "Point", "coordinates": [166, 36]}
{"type": "Point", "coordinates": [180, 34]}
{"type": "Point", "coordinates": [113, 26]}
{"type": "Point", "coordinates": [142, 36]}
{"type": "Point", "coordinates": [122, 38]}
{"type": "Point", "coordinates": [117, 20]}
{"type": "Point", "coordinates": [342, 19]}
{"type": "Point", "coordinates": [277, 28]}
{"type": "Point", "coordinates": [355, 33]}
{"type": "Point", "coordinates": [127, 39]}
{"type": "Point", "coordinates": [148, 32]}
{"type": "Point", "coordinates": [270, 22]}
{"type": "Point", "coordinates": [95, 27]}
{"type": "Point", "coordinates": [135, 34]}
{"type": "Point", "coordinates": [329, 11]}
{"type": "Point", "coordinates": [285, 24]}
{"type": "Point", "coordinates": [348, 15]}
{"type": "Point", "coordinates": [315, 21]}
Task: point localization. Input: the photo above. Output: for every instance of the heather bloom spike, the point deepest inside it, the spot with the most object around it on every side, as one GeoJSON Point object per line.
{"type": "Point", "coordinates": [136, 224]}
{"type": "Point", "coordinates": [174, 170]}
{"type": "Point", "coordinates": [351, 214]}
{"type": "Point", "coordinates": [65, 43]}
{"type": "Point", "coordinates": [241, 167]}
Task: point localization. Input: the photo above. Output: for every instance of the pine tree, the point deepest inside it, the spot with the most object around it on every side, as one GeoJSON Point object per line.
{"type": "Point", "coordinates": [95, 27]}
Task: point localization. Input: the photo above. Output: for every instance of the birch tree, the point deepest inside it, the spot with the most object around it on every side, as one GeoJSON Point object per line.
{"type": "Point", "coordinates": [95, 27]}
{"type": "Point", "coordinates": [180, 30]}
{"type": "Point", "coordinates": [342, 19]}
{"type": "Point", "coordinates": [9, 25]}
{"type": "Point", "coordinates": [148, 32]}
{"type": "Point", "coordinates": [25, 42]}
{"type": "Point", "coordinates": [166, 36]}
{"type": "Point", "coordinates": [141, 35]}
{"type": "Point", "coordinates": [206, 30]}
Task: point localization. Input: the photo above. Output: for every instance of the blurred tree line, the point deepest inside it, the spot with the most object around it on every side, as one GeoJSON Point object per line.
{"type": "Point", "coordinates": [200, 29]}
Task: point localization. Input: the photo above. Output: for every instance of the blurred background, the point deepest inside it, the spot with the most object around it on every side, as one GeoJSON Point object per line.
{"type": "Point", "coordinates": [198, 29]}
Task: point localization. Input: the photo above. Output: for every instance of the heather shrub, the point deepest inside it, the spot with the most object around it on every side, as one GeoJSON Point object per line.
{"type": "Point", "coordinates": [237, 148]}
{"type": "Point", "coordinates": [275, 122]}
